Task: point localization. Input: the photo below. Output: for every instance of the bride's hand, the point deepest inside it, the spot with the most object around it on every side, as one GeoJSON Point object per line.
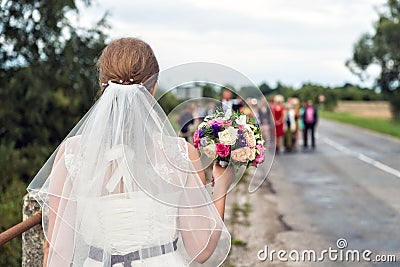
{"type": "Point", "coordinates": [223, 176]}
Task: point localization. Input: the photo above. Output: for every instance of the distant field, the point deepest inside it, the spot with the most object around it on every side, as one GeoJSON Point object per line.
{"type": "Point", "coordinates": [375, 109]}
{"type": "Point", "coordinates": [385, 126]}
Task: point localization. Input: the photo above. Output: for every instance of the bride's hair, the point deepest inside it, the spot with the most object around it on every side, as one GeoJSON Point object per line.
{"type": "Point", "coordinates": [128, 61]}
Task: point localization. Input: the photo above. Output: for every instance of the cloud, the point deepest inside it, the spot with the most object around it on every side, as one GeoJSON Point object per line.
{"type": "Point", "coordinates": [287, 40]}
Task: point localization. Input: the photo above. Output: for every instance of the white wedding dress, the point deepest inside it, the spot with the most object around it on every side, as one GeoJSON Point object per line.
{"type": "Point", "coordinates": [120, 190]}
{"type": "Point", "coordinates": [132, 222]}
{"type": "Point", "coordinates": [135, 222]}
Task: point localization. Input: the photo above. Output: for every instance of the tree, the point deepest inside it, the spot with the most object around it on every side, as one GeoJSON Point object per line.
{"type": "Point", "coordinates": [48, 77]}
{"type": "Point", "coordinates": [309, 91]}
{"type": "Point", "coordinates": [167, 100]}
{"type": "Point", "coordinates": [356, 93]}
{"type": "Point", "coordinates": [209, 91]}
{"type": "Point", "coordinates": [265, 88]}
{"type": "Point", "coordinates": [282, 89]}
{"type": "Point", "coordinates": [47, 82]}
{"type": "Point", "coordinates": [382, 49]}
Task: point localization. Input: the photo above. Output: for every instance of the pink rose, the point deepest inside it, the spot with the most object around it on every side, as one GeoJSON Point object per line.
{"type": "Point", "coordinates": [227, 123]}
{"type": "Point", "coordinates": [218, 121]}
{"type": "Point", "coordinates": [260, 157]}
{"type": "Point", "coordinates": [223, 150]}
{"type": "Point", "coordinates": [196, 139]}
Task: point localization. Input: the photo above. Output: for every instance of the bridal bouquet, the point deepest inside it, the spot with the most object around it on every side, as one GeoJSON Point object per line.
{"type": "Point", "coordinates": [230, 136]}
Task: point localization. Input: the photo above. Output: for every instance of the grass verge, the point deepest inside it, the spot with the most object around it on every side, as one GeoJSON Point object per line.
{"type": "Point", "coordinates": [384, 126]}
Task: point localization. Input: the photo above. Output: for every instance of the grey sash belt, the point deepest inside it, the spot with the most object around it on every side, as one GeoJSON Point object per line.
{"type": "Point", "coordinates": [97, 253]}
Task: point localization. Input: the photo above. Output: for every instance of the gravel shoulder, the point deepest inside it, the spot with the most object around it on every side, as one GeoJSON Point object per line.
{"type": "Point", "coordinates": [253, 221]}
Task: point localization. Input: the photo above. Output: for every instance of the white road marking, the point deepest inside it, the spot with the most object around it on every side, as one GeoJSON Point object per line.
{"type": "Point", "coordinates": [362, 157]}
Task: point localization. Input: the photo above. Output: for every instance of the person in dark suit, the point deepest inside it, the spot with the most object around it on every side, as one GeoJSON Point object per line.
{"type": "Point", "coordinates": [310, 119]}
{"type": "Point", "coordinates": [237, 104]}
{"type": "Point", "coordinates": [185, 121]}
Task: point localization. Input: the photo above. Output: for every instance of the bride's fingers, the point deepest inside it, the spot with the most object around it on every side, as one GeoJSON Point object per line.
{"type": "Point", "coordinates": [226, 173]}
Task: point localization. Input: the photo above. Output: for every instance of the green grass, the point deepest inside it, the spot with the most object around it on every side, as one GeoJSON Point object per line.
{"type": "Point", "coordinates": [384, 126]}
{"type": "Point", "coordinates": [239, 243]}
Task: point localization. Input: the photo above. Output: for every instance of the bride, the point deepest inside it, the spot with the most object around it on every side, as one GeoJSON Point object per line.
{"type": "Point", "coordinates": [122, 189]}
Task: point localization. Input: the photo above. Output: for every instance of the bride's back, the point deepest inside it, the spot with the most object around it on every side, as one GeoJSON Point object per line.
{"type": "Point", "coordinates": [121, 187]}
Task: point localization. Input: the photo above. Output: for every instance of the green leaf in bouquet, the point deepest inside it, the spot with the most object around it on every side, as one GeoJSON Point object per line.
{"type": "Point", "coordinates": [207, 131]}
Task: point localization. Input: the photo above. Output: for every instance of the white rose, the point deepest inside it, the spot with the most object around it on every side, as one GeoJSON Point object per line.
{"type": "Point", "coordinates": [248, 127]}
{"type": "Point", "coordinates": [241, 154]}
{"type": "Point", "coordinates": [252, 155]}
{"type": "Point", "coordinates": [210, 150]}
{"type": "Point", "coordinates": [241, 120]}
{"type": "Point", "coordinates": [228, 136]}
{"type": "Point", "coordinates": [228, 114]}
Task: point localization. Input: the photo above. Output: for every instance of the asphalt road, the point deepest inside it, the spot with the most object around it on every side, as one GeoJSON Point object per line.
{"type": "Point", "coordinates": [349, 187]}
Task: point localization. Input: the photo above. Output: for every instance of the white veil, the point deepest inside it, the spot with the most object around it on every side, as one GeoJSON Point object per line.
{"type": "Point", "coordinates": [125, 146]}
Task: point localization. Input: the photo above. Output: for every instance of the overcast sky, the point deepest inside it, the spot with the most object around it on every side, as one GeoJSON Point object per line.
{"type": "Point", "coordinates": [291, 41]}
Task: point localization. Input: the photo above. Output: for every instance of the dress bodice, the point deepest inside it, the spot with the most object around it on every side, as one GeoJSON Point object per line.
{"type": "Point", "coordinates": [121, 223]}
{"type": "Point", "coordinates": [128, 222]}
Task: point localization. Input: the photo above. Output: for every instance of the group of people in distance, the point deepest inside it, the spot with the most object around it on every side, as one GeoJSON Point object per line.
{"type": "Point", "coordinates": [292, 119]}
{"type": "Point", "coordinates": [293, 123]}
